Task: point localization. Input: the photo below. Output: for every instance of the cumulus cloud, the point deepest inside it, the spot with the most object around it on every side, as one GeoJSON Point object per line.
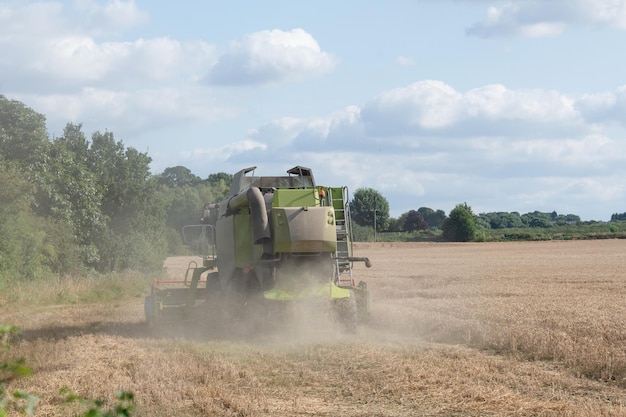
{"type": "Point", "coordinates": [422, 114]}
{"type": "Point", "coordinates": [435, 108]}
{"type": "Point", "coordinates": [607, 107]}
{"type": "Point", "coordinates": [339, 131]}
{"type": "Point", "coordinates": [408, 141]}
{"type": "Point", "coordinates": [48, 53]}
{"type": "Point", "coordinates": [271, 56]}
{"type": "Point", "coordinates": [69, 61]}
{"type": "Point", "coordinates": [538, 18]}
{"type": "Point", "coordinates": [131, 112]}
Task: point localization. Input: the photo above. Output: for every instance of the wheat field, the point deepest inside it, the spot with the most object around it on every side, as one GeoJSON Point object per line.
{"type": "Point", "coordinates": [472, 329]}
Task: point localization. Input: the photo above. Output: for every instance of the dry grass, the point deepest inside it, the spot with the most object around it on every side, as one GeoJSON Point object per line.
{"type": "Point", "coordinates": [518, 329]}
{"type": "Point", "coordinates": [73, 289]}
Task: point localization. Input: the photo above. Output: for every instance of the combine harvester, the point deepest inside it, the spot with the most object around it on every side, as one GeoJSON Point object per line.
{"type": "Point", "coordinates": [275, 240]}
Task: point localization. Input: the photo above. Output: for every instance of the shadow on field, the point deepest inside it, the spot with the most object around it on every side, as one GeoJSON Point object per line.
{"type": "Point", "coordinates": [294, 326]}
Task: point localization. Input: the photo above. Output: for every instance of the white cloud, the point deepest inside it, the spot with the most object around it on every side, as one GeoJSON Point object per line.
{"type": "Point", "coordinates": [491, 142]}
{"type": "Point", "coordinates": [490, 121]}
{"type": "Point", "coordinates": [433, 107]}
{"type": "Point", "coordinates": [271, 56]}
{"type": "Point", "coordinates": [49, 53]}
{"type": "Point", "coordinates": [129, 113]}
{"type": "Point", "coordinates": [539, 18]}
{"type": "Point", "coordinates": [340, 130]}
{"type": "Point", "coordinates": [604, 107]}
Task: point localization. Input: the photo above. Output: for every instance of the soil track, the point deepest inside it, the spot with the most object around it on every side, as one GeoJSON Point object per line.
{"type": "Point", "coordinates": [474, 329]}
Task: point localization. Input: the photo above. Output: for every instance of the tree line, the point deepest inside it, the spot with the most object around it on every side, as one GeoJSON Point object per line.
{"type": "Point", "coordinates": [370, 211]}
{"type": "Point", "coordinates": [73, 205]}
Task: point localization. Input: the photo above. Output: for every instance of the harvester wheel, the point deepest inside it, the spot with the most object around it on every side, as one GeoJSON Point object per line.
{"type": "Point", "coordinates": [362, 302]}
{"type": "Point", "coordinates": [346, 312]}
{"type": "Point", "coordinates": [150, 309]}
{"type": "Point", "coordinates": [213, 282]}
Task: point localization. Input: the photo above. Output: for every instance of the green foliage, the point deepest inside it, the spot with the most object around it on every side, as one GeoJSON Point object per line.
{"type": "Point", "coordinates": [362, 233]}
{"type": "Point", "coordinates": [421, 219]}
{"type": "Point", "coordinates": [431, 217]}
{"type": "Point", "coordinates": [504, 220]}
{"type": "Point", "coordinates": [369, 207]}
{"type": "Point", "coordinates": [70, 203]}
{"type": "Point", "coordinates": [414, 221]}
{"type": "Point", "coordinates": [396, 225]}
{"type": "Point", "coordinates": [618, 216]}
{"type": "Point", "coordinates": [30, 247]}
{"type": "Point", "coordinates": [220, 178]}
{"type": "Point", "coordinates": [18, 400]}
{"type": "Point", "coordinates": [135, 230]}
{"type": "Point", "coordinates": [183, 206]}
{"type": "Point", "coordinates": [580, 230]}
{"type": "Point", "coordinates": [178, 176]}
{"type": "Point", "coordinates": [501, 220]}
{"type": "Point", "coordinates": [23, 135]}
{"type": "Point", "coordinates": [460, 226]}
{"type": "Point", "coordinates": [96, 408]}
{"type": "Point", "coordinates": [68, 193]}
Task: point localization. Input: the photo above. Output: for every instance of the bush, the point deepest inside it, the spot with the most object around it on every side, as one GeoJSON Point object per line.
{"type": "Point", "coordinates": [460, 226]}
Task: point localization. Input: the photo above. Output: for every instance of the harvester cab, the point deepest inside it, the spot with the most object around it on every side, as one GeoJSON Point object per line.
{"type": "Point", "coordinates": [279, 239]}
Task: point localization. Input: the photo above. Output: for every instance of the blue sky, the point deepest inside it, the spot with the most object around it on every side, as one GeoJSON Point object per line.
{"type": "Point", "coordinates": [504, 105]}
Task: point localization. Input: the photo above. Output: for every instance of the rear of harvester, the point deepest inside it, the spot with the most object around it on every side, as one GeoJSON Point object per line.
{"type": "Point", "coordinates": [275, 241]}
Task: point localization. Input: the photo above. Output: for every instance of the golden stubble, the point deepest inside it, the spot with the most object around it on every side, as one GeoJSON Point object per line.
{"type": "Point", "coordinates": [476, 329]}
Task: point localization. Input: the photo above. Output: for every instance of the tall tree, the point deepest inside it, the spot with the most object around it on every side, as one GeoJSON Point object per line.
{"type": "Point", "coordinates": [135, 234]}
{"type": "Point", "coordinates": [460, 226]}
{"type": "Point", "coordinates": [431, 217]}
{"type": "Point", "coordinates": [178, 176]}
{"type": "Point", "coordinates": [369, 208]}
{"type": "Point", "coordinates": [414, 221]}
{"type": "Point", "coordinates": [23, 135]}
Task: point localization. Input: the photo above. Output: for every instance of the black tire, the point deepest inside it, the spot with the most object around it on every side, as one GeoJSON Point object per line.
{"type": "Point", "coordinates": [362, 303]}
{"type": "Point", "coordinates": [149, 307]}
{"type": "Point", "coordinates": [346, 312]}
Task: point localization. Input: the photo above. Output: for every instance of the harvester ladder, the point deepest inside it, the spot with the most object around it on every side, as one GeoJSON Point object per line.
{"type": "Point", "coordinates": [343, 267]}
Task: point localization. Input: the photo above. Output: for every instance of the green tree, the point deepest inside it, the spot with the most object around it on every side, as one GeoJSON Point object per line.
{"type": "Point", "coordinates": [615, 217]}
{"type": "Point", "coordinates": [184, 204]}
{"type": "Point", "coordinates": [538, 219]}
{"type": "Point", "coordinates": [23, 135]}
{"type": "Point", "coordinates": [20, 241]}
{"type": "Point", "coordinates": [220, 177]}
{"type": "Point", "coordinates": [460, 226]}
{"type": "Point", "coordinates": [220, 184]}
{"type": "Point", "coordinates": [369, 207]}
{"type": "Point", "coordinates": [135, 236]}
{"type": "Point", "coordinates": [178, 176]}
{"type": "Point", "coordinates": [395, 225]}
{"type": "Point", "coordinates": [502, 220]}
{"type": "Point", "coordinates": [431, 217]}
{"type": "Point", "coordinates": [68, 192]}
{"type": "Point", "coordinates": [414, 221]}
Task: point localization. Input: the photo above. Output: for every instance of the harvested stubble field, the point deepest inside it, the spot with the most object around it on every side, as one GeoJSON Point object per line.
{"type": "Point", "coordinates": [476, 329]}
